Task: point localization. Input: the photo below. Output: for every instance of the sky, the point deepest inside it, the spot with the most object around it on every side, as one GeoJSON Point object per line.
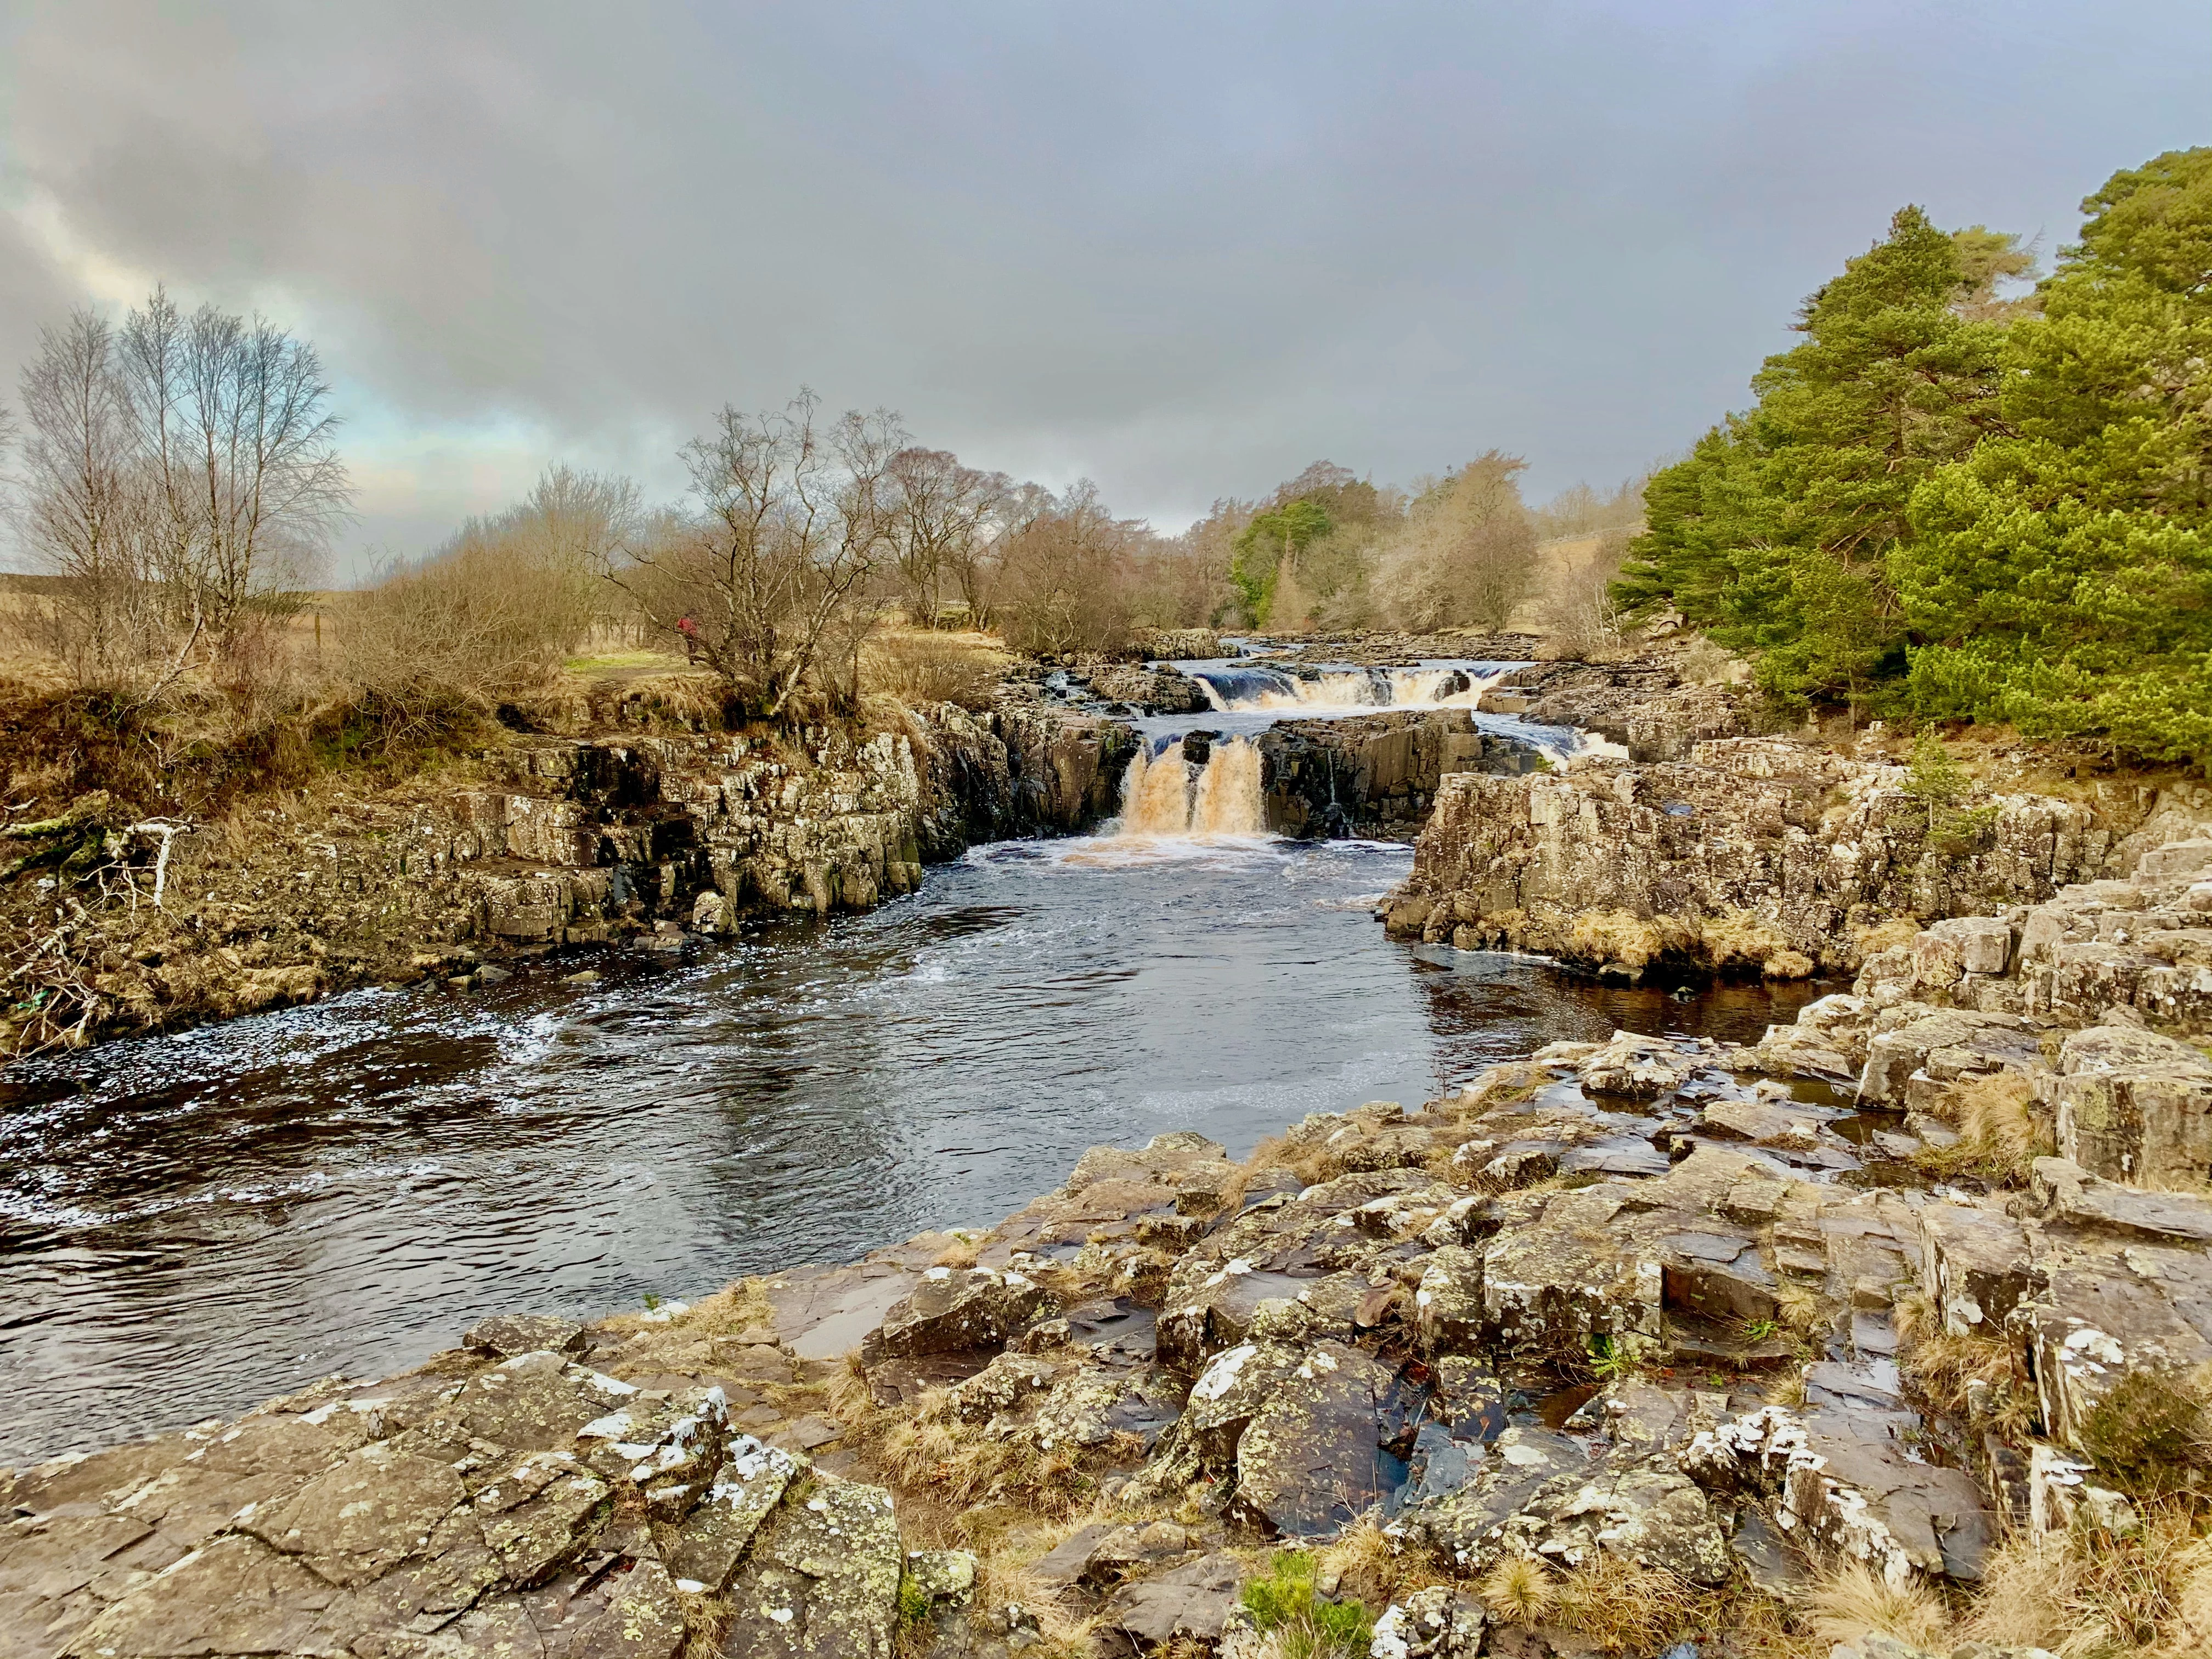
{"type": "Point", "coordinates": [1183, 250]}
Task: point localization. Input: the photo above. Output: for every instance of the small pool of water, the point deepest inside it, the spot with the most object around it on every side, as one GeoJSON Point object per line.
{"type": "Point", "coordinates": [192, 1224]}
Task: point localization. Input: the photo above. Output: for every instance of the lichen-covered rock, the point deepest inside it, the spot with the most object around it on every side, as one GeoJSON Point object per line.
{"type": "Point", "coordinates": [1976, 1265]}
{"type": "Point", "coordinates": [1465, 1522]}
{"type": "Point", "coordinates": [1439, 1622]}
{"type": "Point", "coordinates": [1840, 1479]}
{"type": "Point", "coordinates": [1450, 1313]}
{"type": "Point", "coordinates": [821, 1579]}
{"type": "Point", "coordinates": [955, 1310]}
{"type": "Point", "coordinates": [2134, 1105]}
{"type": "Point", "coordinates": [1312, 1456]}
{"type": "Point", "coordinates": [711, 1539]}
{"type": "Point", "coordinates": [1562, 1275]}
{"type": "Point", "coordinates": [1731, 858]}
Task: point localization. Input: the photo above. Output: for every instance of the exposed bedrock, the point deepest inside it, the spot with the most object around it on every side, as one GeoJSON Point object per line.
{"type": "Point", "coordinates": [1618, 1306]}
{"type": "Point", "coordinates": [1375, 774]}
{"type": "Point", "coordinates": [1756, 855]}
{"type": "Point", "coordinates": [572, 842]}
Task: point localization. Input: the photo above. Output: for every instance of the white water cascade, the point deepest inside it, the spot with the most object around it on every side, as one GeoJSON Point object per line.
{"type": "Point", "coordinates": [1238, 688]}
{"type": "Point", "coordinates": [1165, 795]}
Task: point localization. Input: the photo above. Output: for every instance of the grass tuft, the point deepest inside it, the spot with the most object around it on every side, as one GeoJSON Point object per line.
{"type": "Point", "coordinates": [1851, 1602]}
{"type": "Point", "coordinates": [1519, 1591]}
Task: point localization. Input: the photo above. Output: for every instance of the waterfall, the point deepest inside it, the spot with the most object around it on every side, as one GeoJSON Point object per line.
{"type": "Point", "coordinates": [1239, 689]}
{"type": "Point", "coordinates": [1165, 795]}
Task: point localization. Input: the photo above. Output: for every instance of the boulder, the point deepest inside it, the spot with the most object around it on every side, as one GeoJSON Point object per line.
{"type": "Point", "coordinates": [1439, 1622]}
{"type": "Point", "coordinates": [1314, 1455]}
{"type": "Point", "coordinates": [1187, 1604]}
{"type": "Point", "coordinates": [954, 1311]}
{"type": "Point", "coordinates": [509, 1334]}
{"type": "Point", "coordinates": [2134, 1105]}
{"type": "Point", "coordinates": [1840, 1479]}
{"type": "Point", "coordinates": [1977, 1265]}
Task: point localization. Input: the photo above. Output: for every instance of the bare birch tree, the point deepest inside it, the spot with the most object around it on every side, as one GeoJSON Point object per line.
{"type": "Point", "coordinates": [793, 520]}
{"type": "Point", "coordinates": [231, 418]}
{"type": "Point", "coordinates": [82, 509]}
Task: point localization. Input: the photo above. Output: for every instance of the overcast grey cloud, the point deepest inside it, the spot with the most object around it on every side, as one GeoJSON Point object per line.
{"type": "Point", "coordinates": [1183, 250]}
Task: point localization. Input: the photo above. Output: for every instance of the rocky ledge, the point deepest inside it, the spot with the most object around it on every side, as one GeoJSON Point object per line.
{"type": "Point", "coordinates": [1753, 854]}
{"type": "Point", "coordinates": [542, 842]}
{"type": "Point", "coordinates": [1621, 1345]}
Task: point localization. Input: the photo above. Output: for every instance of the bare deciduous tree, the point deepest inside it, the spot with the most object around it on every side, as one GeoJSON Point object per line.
{"type": "Point", "coordinates": [942, 520]}
{"type": "Point", "coordinates": [230, 417]}
{"type": "Point", "coordinates": [1065, 572]}
{"type": "Point", "coordinates": [792, 521]}
{"type": "Point", "coordinates": [82, 512]}
{"type": "Point", "coordinates": [493, 613]}
{"type": "Point", "coordinates": [1467, 554]}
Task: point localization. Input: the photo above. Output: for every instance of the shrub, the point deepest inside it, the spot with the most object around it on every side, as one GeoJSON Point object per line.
{"type": "Point", "coordinates": [1285, 1605]}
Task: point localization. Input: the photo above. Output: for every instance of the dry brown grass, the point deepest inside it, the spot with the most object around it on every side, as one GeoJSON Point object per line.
{"type": "Point", "coordinates": [1308, 1160]}
{"type": "Point", "coordinates": [960, 1253]}
{"type": "Point", "coordinates": [2084, 1595]}
{"type": "Point", "coordinates": [1804, 1311]}
{"type": "Point", "coordinates": [2000, 1133]}
{"type": "Point", "coordinates": [1885, 936]}
{"type": "Point", "coordinates": [1370, 1566]}
{"type": "Point", "coordinates": [1736, 938]}
{"type": "Point", "coordinates": [1625, 1608]}
{"type": "Point", "coordinates": [707, 1621]}
{"type": "Point", "coordinates": [1615, 937]}
{"type": "Point", "coordinates": [1851, 1602]}
{"type": "Point", "coordinates": [736, 1309]}
{"type": "Point", "coordinates": [925, 1451]}
{"type": "Point", "coordinates": [918, 666]}
{"type": "Point", "coordinates": [1004, 1578]}
{"type": "Point", "coordinates": [1945, 1368]}
{"type": "Point", "coordinates": [1519, 1591]}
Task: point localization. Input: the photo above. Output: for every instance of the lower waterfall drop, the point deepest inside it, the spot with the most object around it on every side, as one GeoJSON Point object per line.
{"type": "Point", "coordinates": [1164, 795]}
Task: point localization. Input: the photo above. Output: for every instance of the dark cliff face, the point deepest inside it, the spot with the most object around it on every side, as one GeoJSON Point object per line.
{"type": "Point", "coordinates": [1375, 774]}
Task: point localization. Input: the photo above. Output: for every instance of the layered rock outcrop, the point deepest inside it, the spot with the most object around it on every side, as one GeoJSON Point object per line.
{"type": "Point", "coordinates": [551, 842]}
{"type": "Point", "coordinates": [1623, 1307]}
{"type": "Point", "coordinates": [1376, 775]}
{"type": "Point", "coordinates": [1756, 853]}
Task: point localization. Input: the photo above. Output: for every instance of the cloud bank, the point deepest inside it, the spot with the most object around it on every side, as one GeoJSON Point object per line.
{"type": "Point", "coordinates": [1183, 251]}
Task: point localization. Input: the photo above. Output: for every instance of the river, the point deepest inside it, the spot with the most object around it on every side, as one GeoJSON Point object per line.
{"type": "Point", "coordinates": [194, 1222]}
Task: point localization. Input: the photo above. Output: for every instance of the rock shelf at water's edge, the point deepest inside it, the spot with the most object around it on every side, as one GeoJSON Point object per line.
{"type": "Point", "coordinates": [1643, 1306]}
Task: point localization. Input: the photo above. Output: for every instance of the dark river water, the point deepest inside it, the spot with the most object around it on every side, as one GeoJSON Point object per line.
{"type": "Point", "coordinates": [192, 1224]}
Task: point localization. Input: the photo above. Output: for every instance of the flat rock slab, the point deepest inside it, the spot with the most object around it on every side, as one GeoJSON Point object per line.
{"type": "Point", "coordinates": [822, 1313]}
{"type": "Point", "coordinates": [508, 1335]}
{"type": "Point", "coordinates": [1193, 1602]}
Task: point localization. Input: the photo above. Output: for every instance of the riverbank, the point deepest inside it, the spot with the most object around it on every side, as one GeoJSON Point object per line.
{"type": "Point", "coordinates": [632, 828]}
{"type": "Point", "coordinates": [622, 815]}
{"type": "Point", "coordinates": [1893, 1318]}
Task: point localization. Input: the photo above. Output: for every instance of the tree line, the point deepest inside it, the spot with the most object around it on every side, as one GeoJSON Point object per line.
{"type": "Point", "coordinates": [179, 481]}
{"type": "Point", "coordinates": [1950, 504]}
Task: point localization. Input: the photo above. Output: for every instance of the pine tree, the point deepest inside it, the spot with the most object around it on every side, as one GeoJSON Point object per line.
{"type": "Point", "coordinates": [1773, 534]}
{"type": "Point", "coordinates": [2062, 573]}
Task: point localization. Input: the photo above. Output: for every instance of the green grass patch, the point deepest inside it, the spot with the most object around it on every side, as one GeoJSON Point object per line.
{"type": "Point", "coordinates": [1305, 1624]}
